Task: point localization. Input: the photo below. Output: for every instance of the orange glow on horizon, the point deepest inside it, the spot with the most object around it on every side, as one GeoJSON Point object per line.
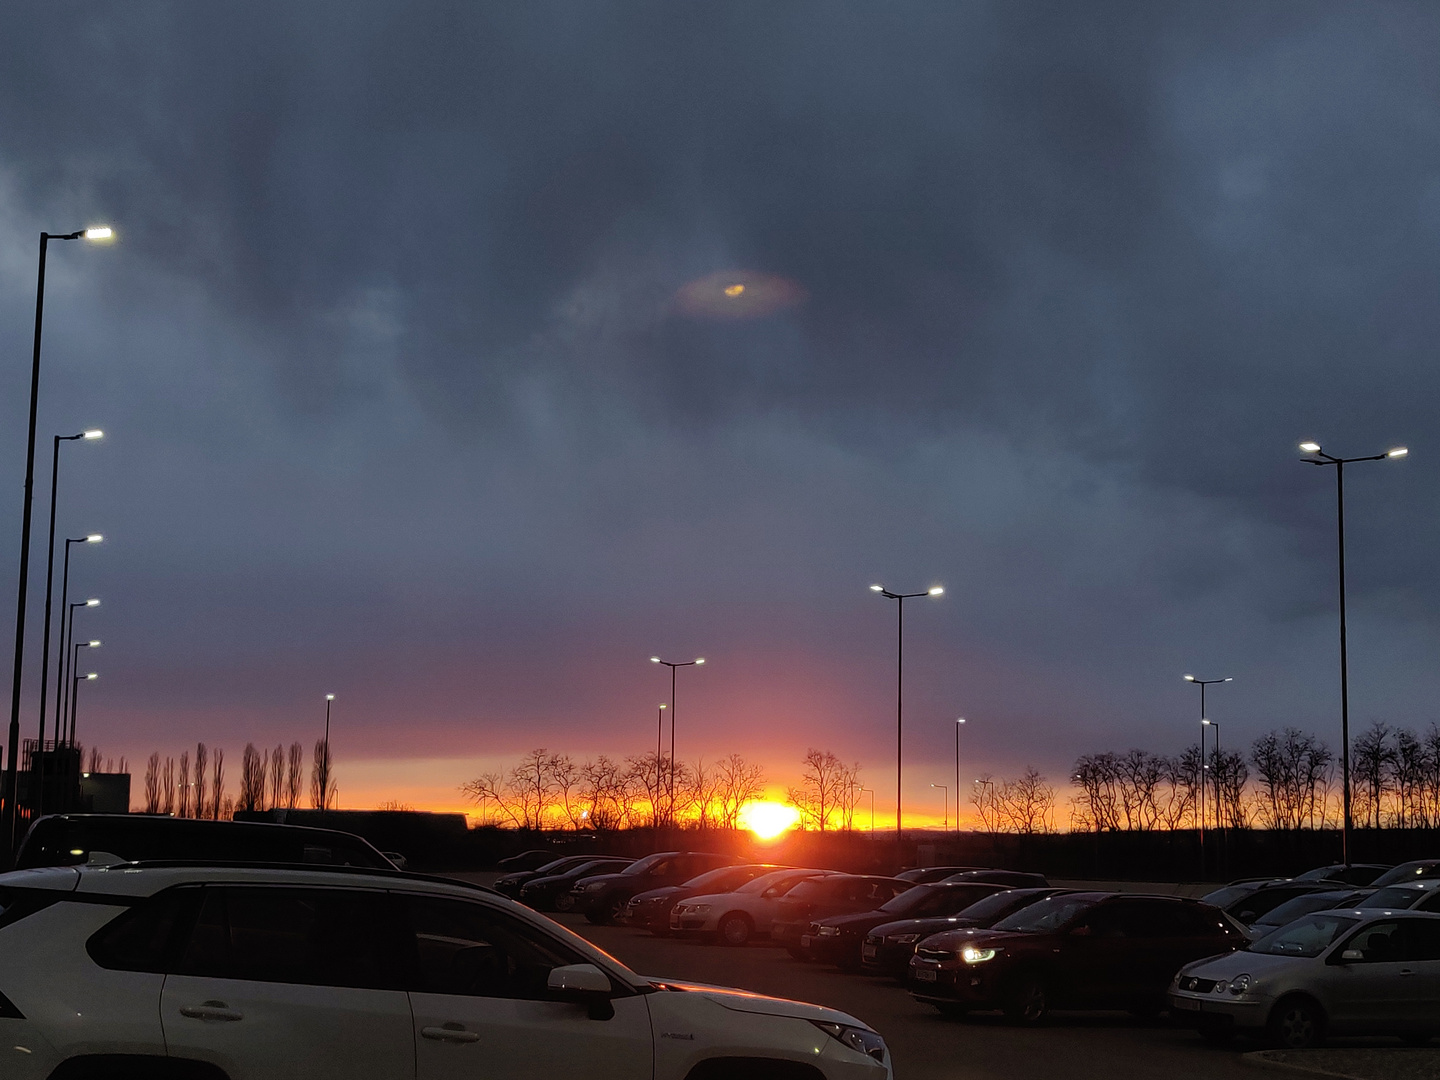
{"type": "Point", "coordinates": [768, 820]}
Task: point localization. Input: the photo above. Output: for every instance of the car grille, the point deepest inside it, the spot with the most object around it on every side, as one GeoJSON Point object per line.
{"type": "Point", "coordinates": [1198, 986]}
{"type": "Point", "coordinates": [934, 954]}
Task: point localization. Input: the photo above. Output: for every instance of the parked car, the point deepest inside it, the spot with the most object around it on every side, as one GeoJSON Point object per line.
{"type": "Point", "coordinates": [254, 972]}
{"type": "Point", "coordinates": [72, 839]}
{"type": "Point", "coordinates": [1077, 951]}
{"type": "Point", "coordinates": [1265, 898]}
{"type": "Point", "coordinates": [552, 892]}
{"type": "Point", "coordinates": [1357, 874]}
{"type": "Point", "coordinates": [1011, 879]}
{"type": "Point", "coordinates": [1423, 895]}
{"type": "Point", "coordinates": [887, 949]}
{"type": "Point", "coordinates": [924, 875]}
{"type": "Point", "coordinates": [840, 894]}
{"type": "Point", "coordinates": [1418, 870]}
{"type": "Point", "coordinates": [528, 860]}
{"type": "Point", "coordinates": [602, 899]}
{"type": "Point", "coordinates": [837, 939]}
{"type": "Point", "coordinates": [1291, 910]}
{"type": "Point", "coordinates": [736, 918]}
{"type": "Point", "coordinates": [510, 884]}
{"type": "Point", "coordinates": [651, 910]}
{"type": "Point", "coordinates": [1334, 972]}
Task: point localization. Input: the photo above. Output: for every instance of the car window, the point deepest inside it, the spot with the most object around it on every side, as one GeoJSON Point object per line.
{"type": "Point", "coordinates": [146, 937]}
{"type": "Point", "coordinates": [1411, 871]}
{"type": "Point", "coordinates": [1309, 936]}
{"type": "Point", "coordinates": [321, 937]}
{"type": "Point", "coordinates": [1158, 919]}
{"type": "Point", "coordinates": [1223, 898]}
{"type": "Point", "coordinates": [467, 949]}
{"type": "Point", "coordinates": [1049, 914]}
{"type": "Point", "coordinates": [1393, 898]}
{"type": "Point", "coordinates": [809, 889]}
{"type": "Point", "coordinates": [1424, 938]}
{"type": "Point", "coordinates": [1381, 942]}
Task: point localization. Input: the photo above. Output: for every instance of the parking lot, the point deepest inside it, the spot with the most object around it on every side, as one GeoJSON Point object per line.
{"type": "Point", "coordinates": [925, 1045]}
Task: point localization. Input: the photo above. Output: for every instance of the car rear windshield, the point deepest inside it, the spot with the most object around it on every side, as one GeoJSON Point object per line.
{"type": "Point", "coordinates": [1049, 914]}
{"type": "Point", "coordinates": [1411, 871]}
{"type": "Point", "coordinates": [723, 879]}
{"type": "Point", "coordinates": [1309, 936]}
{"type": "Point", "coordinates": [1225, 897]}
{"type": "Point", "coordinates": [1303, 905]}
{"type": "Point", "coordinates": [808, 889]}
{"type": "Point", "coordinates": [997, 905]}
{"type": "Point", "coordinates": [1393, 898]}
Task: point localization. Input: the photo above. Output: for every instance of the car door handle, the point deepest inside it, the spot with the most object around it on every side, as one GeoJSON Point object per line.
{"type": "Point", "coordinates": [211, 1010]}
{"type": "Point", "coordinates": [1407, 971]}
{"type": "Point", "coordinates": [450, 1033]}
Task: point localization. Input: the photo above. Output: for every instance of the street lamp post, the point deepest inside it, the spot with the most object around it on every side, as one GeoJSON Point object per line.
{"type": "Point", "coordinates": [1203, 683]}
{"type": "Point", "coordinates": [1219, 792]}
{"type": "Point", "coordinates": [863, 790]}
{"type": "Point", "coordinates": [945, 794]}
{"type": "Point", "coordinates": [1319, 457]}
{"type": "Point", "coordinates": [325, 759]}
{"type": "Point", "coordinates": [75, 693]}
{"type": "Point", "coordinates": [13, 744]}
{"type": "Point", "coordinates": [659, 751]}
{"type": "Point", "coordinates": [74, 666]}
{"type": "Point", "coordinates": [672, 666]}
{"type": "Point", "coordinates": [60, 669]}
{"type": "Point", "coordinates": [959, 723]}
{"type": "Point", "coordinates": [900, 599]}
{"type": "Point", "coordinates": [62, 701]}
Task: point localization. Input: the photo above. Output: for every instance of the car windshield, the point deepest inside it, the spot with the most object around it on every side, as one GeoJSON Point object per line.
{"type": "Point", "coordinates": [1049, 914]}
{"type": "Point", "coordinates": [1393, 898]}
{"type": "Point", "coordinates": [557, 865]}
{"type": "Point", "coordinates": [1303, 905]}
{"type": "Point", "coordinates": [997, 905]}
{"type": "Point", "coordinates": [639, 866]}
{"type": "Point", "coordinates": [783, 879]}
{"type": "Point", "coordinates": [1309, 936]}
{"type": "Point", "coordinates": [1411, 871]}
{"type": "Point", "coordinates": [1319, 873]}
{"type": "Point", "coordinates": [1228, 895]}
{"type": "Point", "coordinates": [808, 889]}
{"type": "Point", "coordinates": [922, 898]}
{"type": "Point", "coordinates": [722, 880]}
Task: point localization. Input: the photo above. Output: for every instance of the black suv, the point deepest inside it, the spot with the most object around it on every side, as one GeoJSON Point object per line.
{"type": "Point", "coordinates": [603, 899]}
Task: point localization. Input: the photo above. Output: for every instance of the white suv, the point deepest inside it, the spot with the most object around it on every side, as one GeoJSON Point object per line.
{"type": "Point", "coordinates": [261, 973]}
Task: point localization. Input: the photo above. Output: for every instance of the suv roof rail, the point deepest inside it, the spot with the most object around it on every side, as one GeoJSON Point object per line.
{"type": "Point", "coordinates": [323, 868]}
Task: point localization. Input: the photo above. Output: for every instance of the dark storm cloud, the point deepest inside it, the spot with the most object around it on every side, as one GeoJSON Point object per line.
{"type": "Point", "coordinates": [1078, 278]}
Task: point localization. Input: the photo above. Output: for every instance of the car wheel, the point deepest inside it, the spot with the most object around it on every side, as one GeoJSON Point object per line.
{"type": "Point", "coordinates": [565, 902]}
{"type": "Point", "coordinates": [606, 912]}
{"type": "Point", "coordinates": [1026, 1000]}
{"type": "Point", "coordinates": [736, 929]}
{"type": "Point", "coordinates": [1297, 1024]}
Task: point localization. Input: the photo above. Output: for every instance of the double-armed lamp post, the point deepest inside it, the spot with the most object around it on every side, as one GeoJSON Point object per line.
{"type": "Point", "coordinates": [1204, 723]}
{"type": "Point", "coordinates": [1320, 457]}
{"type": "Point", "coordinates": [672, 666]}
{"type": "Point", "coordinates": [12, 777]}
{"type": "Point", "coordinates": [900, 599]}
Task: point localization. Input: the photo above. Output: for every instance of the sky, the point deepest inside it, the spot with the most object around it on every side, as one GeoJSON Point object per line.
{"type": "Point", "coordinates": [420, 387]}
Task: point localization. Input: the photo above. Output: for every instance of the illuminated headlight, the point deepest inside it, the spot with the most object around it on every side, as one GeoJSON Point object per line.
{"type": "Point", "coordinates": [971, 955]}
{"type": "Point", "coordinates": [1238, 985]}
{"type": "Point", "coordinates": [857, 1039]}
{"type": "Point", "coordinates": [905, 939]}
{"type": "Point", "coordinates": [828, 931]}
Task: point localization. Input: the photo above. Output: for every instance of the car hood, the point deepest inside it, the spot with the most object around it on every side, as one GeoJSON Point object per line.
{"type": "Point", "coordinates": [677, 891]}
{"type": "Point", "coordinates": [857, 923]}
{"type": "Point", "coordinates": [591, 879]}
{"type": "Point", "coordinates": [935, 924]}
{"type": "Point", "coordinates": [955, 938]}
{"type": "Point", "coordinates": [1228, 965]}
{"type": "Point", "coordinates": [743, 1001]}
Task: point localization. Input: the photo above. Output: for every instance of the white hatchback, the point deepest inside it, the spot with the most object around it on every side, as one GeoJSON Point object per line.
{"type": "Point", "coordinates": [263, 973]}
{"type": "Point", "coordinates": [734, 918]}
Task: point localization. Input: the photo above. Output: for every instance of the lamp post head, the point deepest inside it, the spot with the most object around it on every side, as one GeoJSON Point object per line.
{"type": "Point", "coordinates": [1205, 722]}
{"type": "Point", "coordinates": [877, 588]}
{"type": "Point", "coordinates": [90, 644]}
{"type": "Point", "coordinates": [93, 433]}
{"type": "Point", "coordinates": [699, 660]}
{"type": "Point", "coordinates": [92, 675]}
{"type": "Point", "coordinates": [1399, 451]}
{"type": "Point", "coordinates": [663, 705]}
{"type": "Point", "coordinates": [329, 697]}
{"type": "Point", "coordinates": [1189, 678]}
{"type": "Point", "coordinates": [959, 720]}
{"type": "Point", "coordinates": [92, 602]}
{"type": "Point", "coordinates": [654, 660]}
{"type": "Point", "coordinates": [99, 232]}
{"type": "Point", "coordinates": [94, 538]}
{"type": "Point", "coordinates": [1228, 678]}
{"type": "Point", "coordinates": [935, 590]}
{"type": "Point", "coordinates": [1310, 447]}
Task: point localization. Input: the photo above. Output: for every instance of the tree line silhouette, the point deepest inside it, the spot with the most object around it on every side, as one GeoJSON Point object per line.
{"type": "Point", "coordinates": [196, 788]}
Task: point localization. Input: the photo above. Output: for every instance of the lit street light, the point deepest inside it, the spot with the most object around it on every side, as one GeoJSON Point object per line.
{"type": "Point", "coordinates": [67, 633]}
{"type": "Point", "coordinates": [1203, 683]}
{"type": "Point", "coordinates": [7, 826]}
{"type": "Point", "coordinates": [687, 663]}
{"type": "Point", "coordinates": [325, 761]}
{"type": "Point", "coordinates": [75, 691]}
{"type": "Point", "coordinates": [1219, 815]}
{"type": "Point", "coordinates": [900, 599]}
{"type": "Point", "coordinates": [1319, 457]}
{"type": "Point", "coordinates": [959, 723]}
{"type": "Point", "coordinates": [945, 794]}
{"type": "Point", "coordinates": [74, 665]}
{"type": "Point", "coordinates": [60, 668]}
{"type": "Point", "coordinates": [659, 735]}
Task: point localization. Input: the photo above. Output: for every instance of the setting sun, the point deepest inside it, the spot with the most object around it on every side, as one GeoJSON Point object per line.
{"type": "Point", "coordinates": [767, 820]}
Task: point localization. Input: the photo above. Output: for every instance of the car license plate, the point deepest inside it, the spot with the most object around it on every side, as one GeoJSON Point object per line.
{"type": "Point", "coordinates": [869, 952]}
{"type": "Point", "coordinates": [1186, 1003]}
{"type": "Point", "coordinates": [925, 974]}
{"type": "Point", "coordinates": [804, 941]}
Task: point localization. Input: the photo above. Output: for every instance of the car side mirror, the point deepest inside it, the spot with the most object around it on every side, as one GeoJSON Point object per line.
{"type": "Point", "coordinates": [1345, 957]}
{"type": "Point", "coordinates": [586, 984]}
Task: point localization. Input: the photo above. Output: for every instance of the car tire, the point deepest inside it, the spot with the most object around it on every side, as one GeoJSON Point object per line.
{"type": "Point", "coordinates": [735, 929]}
{"type": "Point", "coordinates": [564, 902]}
{"type": "Point", "coordinates": [1296, 1023]}
{"type": "Point", "coordinates": [607, 911]}
{"type": "Point", "coordinates": [1026, 1000]}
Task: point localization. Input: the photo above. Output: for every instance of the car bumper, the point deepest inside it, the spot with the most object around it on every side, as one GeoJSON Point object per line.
{"type": "Point", "coordinates": [1217, 1011]}
{"type": "Point", "coordinates": [646, 917]}
{"type": "Point", "coordinates": [974, 986]}
{"type": "Point", "coordinates": [886, 959]}
{"type": "Point", "coordinates": [789, 933]}
{"type": "Point", "coordinates": [829, 950]}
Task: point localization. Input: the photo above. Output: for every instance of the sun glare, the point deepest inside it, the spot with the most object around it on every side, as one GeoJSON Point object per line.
{"type": "Point", "coordinates": [767, 820]}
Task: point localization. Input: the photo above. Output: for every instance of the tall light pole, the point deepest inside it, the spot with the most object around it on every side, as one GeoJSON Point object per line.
{"type": "Point", "coordinates": [65, 609]}
{"type": "Point", "coordinates": [74, 666]}
{"type": "Point", "coordinates": [863, 790]}
{"type": "Point", "coordinates": [1319, 457]}
{"type": "Point", "coordinates": [62, 701]}
{"type": "Point", "coordinates": [7, 825]}
{"type": "Point", "coordinates": [687, 663]}
{"type": "Point", "coordinates": [1219, 793]}
{"type": "Point", "coordinates": [1203, 683]}
{"type": "Point", "coordinates": [959, 723]}
{"type": "Point", "coordinates": [945, 794]}
{"type": "Point", "coordinates": [900, 599]}
{"type": "Point", "coordinates": [49, 582]}
{"type": "Point", "coordinates": [325, 760]}
{"type": "Point", "coordinates": [659, 751]}
{"type": "Point", "coordinates": [75, 695]}
{"type": "Point", "coordinates": [60, 670]}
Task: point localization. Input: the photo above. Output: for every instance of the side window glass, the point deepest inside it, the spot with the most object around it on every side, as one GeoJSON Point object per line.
{"type": "Point", "coordinates": [467, 949]}
{"type": "Point", "coordinates": [1424, 939]}
{"type": "Point", "coordinates": [147, 936]}
{"type": "Point", "coordinates": [1378, 943]}
{"type": "Point", "coordinates": [319, 937]}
